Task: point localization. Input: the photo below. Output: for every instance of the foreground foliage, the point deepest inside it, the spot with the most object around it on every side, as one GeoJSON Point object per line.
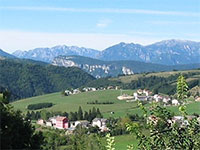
{"type": "Point", "coordinates": [15, 131]}
{"type": "Point", "coordinates": [163, 134]}
{"type": "Point", "coordinates": [164, 131]}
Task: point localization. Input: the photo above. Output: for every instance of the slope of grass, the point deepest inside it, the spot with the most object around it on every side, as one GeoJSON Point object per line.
{"type": "Point", "coordinates": [71, 103]}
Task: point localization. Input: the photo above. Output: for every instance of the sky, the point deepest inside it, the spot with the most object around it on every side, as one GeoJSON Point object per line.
{"type": "Point", "coordinates": [98, 24]}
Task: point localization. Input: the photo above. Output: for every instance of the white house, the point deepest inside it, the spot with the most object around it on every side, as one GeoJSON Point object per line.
{"type": "Point", "coordinates": [83, 123]}
{"type": "Point", "coordinates": [93, 89]}
{"type": "Point", "coordinates": [135, 95]}
{"type": "Point", "coordinates": [101, 123]}
{"type": "Point", "coordinates": [142, 98]}
{"type": "Point", "coordinates": [139, 91]}
{"type": "Point", "coordinates": [147, 92]}
{"type": "Point", "coordinates": [49, 123]}
{"type": "Point", "coordinates": [175, 102]}
{"type": "Point", "coordinates": [41, 122]}
{"type": "Point", "coordinates": [76, 91]}
{"type": "Point", "coordinates": [67, 92]}
{"type": "Point", "coordinates": [166, 100]}
{"type": "Point", "coordinates": [157, 97]}
{"type": "Point", "coordinates": [53, 120]}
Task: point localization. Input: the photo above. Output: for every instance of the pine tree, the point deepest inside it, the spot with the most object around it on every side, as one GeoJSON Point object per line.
{"type": "Point", "coordinates": [28, 115]}
{"type": "Point", "coordinates": [90, 116]}
{"type": "Point", "coordinates": [75, 116]}
{"type": "Point", "coordinates": [37, 115]}
{"type": "Point", "coordinates": [32, 115]}
{"type": "Point", "coordinates": [86, 115]}
{"type": "Point", "coordinates": [94, 112]}
{"type": "Point", "coordinates": [99, 115]}
{"type": "Point", "coordinates": [80, 114]}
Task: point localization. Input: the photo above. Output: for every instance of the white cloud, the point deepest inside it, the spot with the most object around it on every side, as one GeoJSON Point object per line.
{"type": "Point", "coordinates": [105, 10]}
{"type": "Point", "coordinates": [103, 23]}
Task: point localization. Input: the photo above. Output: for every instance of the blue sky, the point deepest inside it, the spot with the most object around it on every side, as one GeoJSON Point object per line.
{"type": "Point", "coordinates": [27, 24]}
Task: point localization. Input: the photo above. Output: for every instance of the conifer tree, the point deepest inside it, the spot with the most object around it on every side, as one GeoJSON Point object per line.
{"type": "Point", "coordinates": [80, 114]}
{"type": "Point", "coordinates": [94, 112]}
{"type": "Point", "coordinates": [86, 115]}
{"type": "Point", "coordinates": [99, 115]}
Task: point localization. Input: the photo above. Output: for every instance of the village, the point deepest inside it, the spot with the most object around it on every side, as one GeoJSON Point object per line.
{"type": "Point", "coordinates": [62, 122]}
{"type": "Point", "coordinates": [148, 96]}
{"type": "Point", "coordinates": [140, 95]}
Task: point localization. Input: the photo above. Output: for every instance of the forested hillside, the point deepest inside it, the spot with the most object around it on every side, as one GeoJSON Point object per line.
{"type": "Point", "coordinates": [24, 79]}
{"type": "Point", "coordinates": [162, 82]}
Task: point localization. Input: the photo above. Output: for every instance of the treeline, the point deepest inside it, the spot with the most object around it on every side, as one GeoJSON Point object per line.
{"type": "Point", "coordinates": [100, 103]}
{"type": "Point", "coordinates": [24, 79]}
{"type": "Point", "coordinates": [39, 106]}
{"type": "Point", "coordinates": [72, 116]}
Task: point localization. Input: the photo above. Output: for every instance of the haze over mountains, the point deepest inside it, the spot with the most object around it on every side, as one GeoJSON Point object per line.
{"type": "Point", "coordinates": [168, 52]}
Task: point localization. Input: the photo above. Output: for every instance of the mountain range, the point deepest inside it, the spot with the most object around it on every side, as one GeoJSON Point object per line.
{"type": "Point", "coordinates": [48, 54]}
{"type": "Point", "coordinates": [168, 52]}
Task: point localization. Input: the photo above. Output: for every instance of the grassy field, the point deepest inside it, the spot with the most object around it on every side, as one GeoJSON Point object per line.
{"type": "Point", "coordinates": [71, 103]}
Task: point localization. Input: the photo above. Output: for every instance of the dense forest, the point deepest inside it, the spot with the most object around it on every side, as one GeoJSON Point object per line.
{"type": "Point", "coordinates": [25, 79]}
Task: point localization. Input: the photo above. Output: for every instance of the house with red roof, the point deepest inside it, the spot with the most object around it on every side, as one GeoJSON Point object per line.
{"type": "Point", "coordinates": [61, 122]}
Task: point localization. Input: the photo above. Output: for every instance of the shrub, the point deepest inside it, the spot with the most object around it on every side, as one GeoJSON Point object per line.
{"type": "Point", "coordinates": [39, 106]}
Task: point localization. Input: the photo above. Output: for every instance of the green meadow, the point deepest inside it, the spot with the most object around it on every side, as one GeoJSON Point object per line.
{"type": "Point", "coordinates": [72, 103]}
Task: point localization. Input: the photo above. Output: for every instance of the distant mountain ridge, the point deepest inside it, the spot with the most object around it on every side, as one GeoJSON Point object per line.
{"type": "Point", "coordinates": [48, 54]}
{"type": "Point", "coordinates": [3, 54]}
{"type": "Point", "coordinates": [168, 52]}
{"type": "Point", "coordinates": [100, 68]}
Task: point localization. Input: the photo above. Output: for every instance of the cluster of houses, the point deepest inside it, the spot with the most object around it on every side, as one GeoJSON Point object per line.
{"type": "Point", "coordinates": [146, 95]}
{"type": "Point", "coordinates": [60, 122]}
{"type": "Point", "coordinates": [176, 119]}
{"type": "Point", "coordinates": [87, 89]}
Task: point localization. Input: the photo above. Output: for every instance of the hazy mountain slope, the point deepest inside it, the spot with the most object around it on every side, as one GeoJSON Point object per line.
{"type": "Point", "coordinates": [99, 68]}
{"type": "Point", "coordinates": [30, 79]}
{"type": "Point", "coordinates": [175, 52]}
{"type": "Point", "coordinates": [169, 52]}
{"type": "Point", "coordinates": [48, 54]}
{"type": "Point", "coordinates": [4, 54]}
{"type": "Point", "coordinates": [123, 51]}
